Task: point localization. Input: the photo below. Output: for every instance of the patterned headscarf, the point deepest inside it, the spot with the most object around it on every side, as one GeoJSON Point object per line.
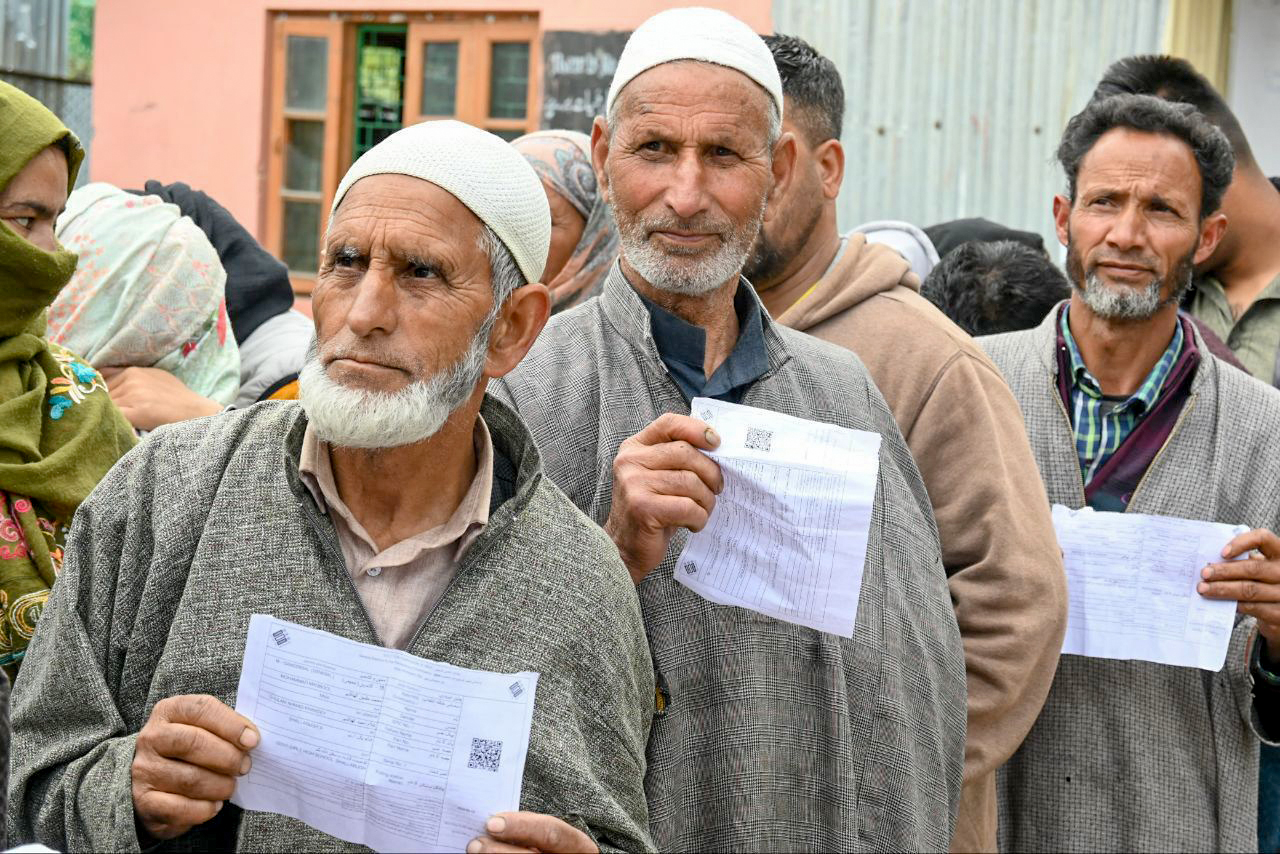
{"type": "Point", "coordinates": [562, 160]}
{"type": "Point", "coordinates": [149, 291]}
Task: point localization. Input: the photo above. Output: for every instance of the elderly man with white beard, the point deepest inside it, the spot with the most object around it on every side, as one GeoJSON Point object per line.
{"type": "Point", "coordinates": [396, 505]}
{"type": "Point", "coordinates": [767, 735]}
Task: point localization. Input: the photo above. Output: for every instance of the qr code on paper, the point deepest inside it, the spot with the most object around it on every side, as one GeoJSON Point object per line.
{"type": "Point", "coordinates": [281, 637]}
{"type": "Point", "coordinates": [486, 754]}
{"type": "Point", "coordinates": [691, 568]}
{"type": "Point", "coordinates": [759, 440]}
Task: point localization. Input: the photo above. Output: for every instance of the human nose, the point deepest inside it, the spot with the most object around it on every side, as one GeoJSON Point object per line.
{"type": "Point", "coordinates": [44, 237]}
{"type": "Point", "coordinates": [373, 306]}
{"type": "Point", "coordinates": [686, 194]}
{"type": "Point", "coordinates": [1126, 229]}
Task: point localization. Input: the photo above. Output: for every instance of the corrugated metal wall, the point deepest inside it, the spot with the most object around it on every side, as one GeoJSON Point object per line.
{"type": "Point", "coordinates": [33, 57]}
{"type": "Point", "coordinates": [954, 109]}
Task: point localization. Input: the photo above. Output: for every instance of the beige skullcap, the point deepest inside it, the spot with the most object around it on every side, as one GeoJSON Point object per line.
{"type": "Point", "coordinates": [701, 34]}
{"type": "Point", "coordinates": [481, 170]}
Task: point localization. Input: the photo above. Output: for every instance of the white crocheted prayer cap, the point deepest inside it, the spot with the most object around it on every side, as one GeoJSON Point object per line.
{"type": "Point", "coordinates": [481, 170]}
{"type": "Point", "coordinates": [698, 33]}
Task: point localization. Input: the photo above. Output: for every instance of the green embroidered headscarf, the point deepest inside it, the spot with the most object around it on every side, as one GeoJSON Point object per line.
{"type": "Point", "coordinates": [59, 431]}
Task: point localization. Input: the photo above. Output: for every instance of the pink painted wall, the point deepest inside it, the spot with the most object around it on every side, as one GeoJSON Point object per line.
{"type": "Point", "coordinates": [180, 86]}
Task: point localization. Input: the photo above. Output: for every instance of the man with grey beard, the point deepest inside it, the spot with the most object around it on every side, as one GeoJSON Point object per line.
{"type": "Point", "coordinates": [1127, 412]}
{"type": "Point", "coordinates": [767, 735]}
{"type": "Point", "coordinates": [396, 505]}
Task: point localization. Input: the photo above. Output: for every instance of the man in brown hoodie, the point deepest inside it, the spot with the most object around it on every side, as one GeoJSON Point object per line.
{"type": "Point", "coordinates": [959, 418]}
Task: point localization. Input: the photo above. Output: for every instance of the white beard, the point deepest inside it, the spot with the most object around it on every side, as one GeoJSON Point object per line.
{"type": "Point", "coordinates": [665, 270]}
{"type": "Point", "coordinates": [355, 418]}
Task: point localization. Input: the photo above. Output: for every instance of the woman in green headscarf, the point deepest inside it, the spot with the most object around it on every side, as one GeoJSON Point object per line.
{"type": "Point", "coordinates": [59, 431]}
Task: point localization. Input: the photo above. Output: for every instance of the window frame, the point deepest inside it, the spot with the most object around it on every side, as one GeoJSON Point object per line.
{"type": "Point", "coordinates": [475, 33]}
{"type": "Point", "coordinates": [475, 36]}
{"type": "Point", "coordinates": [277, 194]}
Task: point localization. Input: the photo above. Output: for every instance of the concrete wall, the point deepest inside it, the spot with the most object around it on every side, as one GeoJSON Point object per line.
{"type": "Point", "coordinates": [1254, 83]}
{"type": "Point", "coordinates": [180, 86]}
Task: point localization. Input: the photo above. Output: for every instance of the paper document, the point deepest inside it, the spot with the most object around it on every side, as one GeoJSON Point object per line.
{"type": "Point", "coordinates": [788, 536]}
{"type": "Point", "coordinates": [1131, 581]}
{"type": "Point", "coordinates": [377, 746]}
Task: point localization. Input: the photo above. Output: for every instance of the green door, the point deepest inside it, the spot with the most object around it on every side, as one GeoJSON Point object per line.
{"type": "Point", "coordinates": [379, 101]}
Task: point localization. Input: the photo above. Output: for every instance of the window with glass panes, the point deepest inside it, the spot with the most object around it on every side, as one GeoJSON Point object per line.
{"type": "Point", "coordinates": [342, 83]}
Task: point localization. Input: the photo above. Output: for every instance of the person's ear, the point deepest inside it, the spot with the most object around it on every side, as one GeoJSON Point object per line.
{"type": "Point", "coordinates": [1211, 232]}
{"type": "Point", "coordinates": [784, 170]}
{"type": "Point", "coordinates": [599, 154]}
{"type": "Point", "coordinates": [830, 159]}
{"type": "Point", "coordinates": [519, 321]}
{"type": "Point", "coordinates": [1062, 218]}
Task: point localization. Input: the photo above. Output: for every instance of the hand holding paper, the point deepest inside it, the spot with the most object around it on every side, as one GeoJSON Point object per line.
{"type": "Point", "coordinates": [1252, 581]}
{"type": "Point", "coordinates": [186, 761]}
{"type": "Point", "coordinates": [661, 482]}
{"type": "Point", "coordinates": [1131, 582]}
{"type": "Point", "coordinates": [789, 533]}
{"type": "Point", "coordinates": [377, 746]}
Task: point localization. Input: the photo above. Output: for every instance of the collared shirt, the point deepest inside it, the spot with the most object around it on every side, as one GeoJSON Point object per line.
{"type": "Point", "coordinates": [1102, 424]}
{"type": "Point", "coordinates": [682, 347]}
{"type": "Point", "coordinates": [1254, 336]}
{"type": "Point", "coordinates": [401, 584]}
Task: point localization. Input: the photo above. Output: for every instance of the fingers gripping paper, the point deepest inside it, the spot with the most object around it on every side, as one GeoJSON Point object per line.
{"type": "Point", "coordinates": [1131, 582]}
{"type": "Point", "coordinates": [788, 535]}
{"type": "Point", "coordinates": [377, 746]}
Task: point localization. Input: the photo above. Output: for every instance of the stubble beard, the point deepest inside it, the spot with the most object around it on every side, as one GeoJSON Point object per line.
{"type": "Point", "coordinates": [694, 272]}
{"type": "Point", "coordinates": [1124, 303]}
{"type": "Point", "coordinates": [768, 259]}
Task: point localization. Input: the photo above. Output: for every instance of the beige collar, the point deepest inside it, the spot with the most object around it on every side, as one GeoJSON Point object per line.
{"type": "Point", "coordinates": [468, 519]}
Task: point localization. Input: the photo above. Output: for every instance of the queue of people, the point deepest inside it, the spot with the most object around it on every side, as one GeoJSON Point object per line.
{"type": "Point", "coordinates": [482, 452]}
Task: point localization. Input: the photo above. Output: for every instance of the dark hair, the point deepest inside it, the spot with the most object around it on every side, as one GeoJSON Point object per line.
{"type": "Point", "coordinates": [812, 83]}
{"type": "Point", "coordinates": [1150, 114]}
{"type": "Point", "coordinates": [1175, 80]}
{"type": "Point", "coordinates": [987, 288]}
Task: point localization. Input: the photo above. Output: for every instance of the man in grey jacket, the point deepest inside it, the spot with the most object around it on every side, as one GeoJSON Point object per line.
{"type": "Point", "coordinates": [398, 504]}
{"type": "Point", "coordinates": [768, 735]}
{"type": "Point", "coordinates": [1127, 411]}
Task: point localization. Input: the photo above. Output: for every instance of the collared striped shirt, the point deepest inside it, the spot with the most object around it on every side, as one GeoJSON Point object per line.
{"type": "Point", "coordinates": [1101, 425]}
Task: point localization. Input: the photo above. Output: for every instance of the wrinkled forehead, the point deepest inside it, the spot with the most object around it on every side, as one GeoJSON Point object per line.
{"type": "Point", "coordinates": [690, 88]}
{"type": "Point", "coordinates": [1153, 164]}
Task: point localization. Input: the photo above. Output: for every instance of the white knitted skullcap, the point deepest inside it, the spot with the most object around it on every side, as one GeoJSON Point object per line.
{"type": "Point", "coordinates": [698, 33]}
{"type": "Point", "coordinates": [481, 170]}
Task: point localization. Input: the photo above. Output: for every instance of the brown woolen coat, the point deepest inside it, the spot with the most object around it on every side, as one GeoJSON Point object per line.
{"type": "Point", "coordinates": [966, 432]}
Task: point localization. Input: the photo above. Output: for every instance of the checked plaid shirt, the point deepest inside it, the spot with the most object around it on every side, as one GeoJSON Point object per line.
{"type": "Point", "coordinates": [1100, 432]}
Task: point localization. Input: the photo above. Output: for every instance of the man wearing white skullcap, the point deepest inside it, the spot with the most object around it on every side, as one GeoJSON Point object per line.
{"type": "Point", "coordinates": [768, 735]}
{"type": "Point", "coordinates": [394, 504]}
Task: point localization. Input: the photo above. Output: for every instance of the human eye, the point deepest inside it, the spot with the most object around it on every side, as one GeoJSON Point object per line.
{"type": "Point", "coordinates": [422, 269]}
{"type": "Point", "coordinates": [342, 258]}
{"type": "Point", "coordinates": [24, 221]}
